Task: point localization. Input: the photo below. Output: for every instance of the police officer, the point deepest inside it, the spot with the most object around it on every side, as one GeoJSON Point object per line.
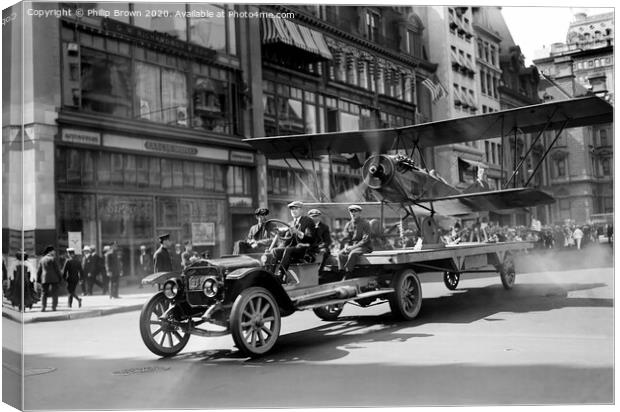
{"type": "Point", "coordinates": [356, 241]}
{"type": "Point", "coordinates": [161, 258]}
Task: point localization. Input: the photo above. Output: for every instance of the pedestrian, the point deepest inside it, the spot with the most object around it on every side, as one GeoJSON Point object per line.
{"type": "Point", "coordinates": [161, 258]}
{"type": "Point", "coordinates": [91, 267]}
{"type": "Point", "coordinates": [356, 241]}
{"type": "Point", "coordinates": [113, 269]}
{"type": "Point", "coordinates": [610, 232]}
{"type": "Point", "coordinates": [175, 258]}
{"type": "Point", "coordinates": [100, 267]}
{"type": "Point", "coordinates": [73, 274]}
{"type": "Point", "coordinates": [48, 275]}
{"type": "Point", "coordinates": [145, 264]}
{"type": "Point", "coordinates": [21, 297]}
{"type": "Point", "coordinates": [578, 236]}
{"type": "Point", "coordinates": [188, 256]}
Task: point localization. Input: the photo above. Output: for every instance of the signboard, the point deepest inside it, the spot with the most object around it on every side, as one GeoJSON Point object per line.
{"type": "Point", "coordinates": [75, 241]}
{"type": "Point", "coordinates": [203, 234]}
{"type": "Point", "coordinates": [80, 136]}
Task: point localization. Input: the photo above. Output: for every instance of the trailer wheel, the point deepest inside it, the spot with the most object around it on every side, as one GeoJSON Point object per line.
{"type": "Point", "coordinates": [255, 321]}
{"type": "Point", "coordinates": [507, 273]}
{"type": "Point", "coordinates": [451, 279]}
{"type": "Point", "coordinates": [406, 300]}
{"type": "Point", "coordinates": [329, 312]}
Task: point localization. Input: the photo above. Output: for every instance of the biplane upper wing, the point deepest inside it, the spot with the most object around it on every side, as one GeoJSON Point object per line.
{"type": "Point", "coordinates": [491, 200]}
{"type": "Point", "coordinates": [577, 112]}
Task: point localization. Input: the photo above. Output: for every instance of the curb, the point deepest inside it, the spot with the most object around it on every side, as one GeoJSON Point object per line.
{"type": "Point", "coordinates": [70, 316]}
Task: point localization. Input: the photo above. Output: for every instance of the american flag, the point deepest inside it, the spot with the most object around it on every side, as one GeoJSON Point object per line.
{"type": "Point", "coordinates": [435, 87]}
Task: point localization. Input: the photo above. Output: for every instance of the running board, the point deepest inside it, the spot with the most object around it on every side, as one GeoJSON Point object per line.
{"type": "Point", "coordinates": [336, 301]}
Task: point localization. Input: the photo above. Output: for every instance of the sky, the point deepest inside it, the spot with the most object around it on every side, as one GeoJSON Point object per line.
{"type": "Point", "coordinates": [536, 28]}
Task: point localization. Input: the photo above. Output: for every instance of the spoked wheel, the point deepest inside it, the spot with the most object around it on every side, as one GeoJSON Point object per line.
{"type": "Point", "coordinates": [162, 337]}
{"type": "Point", "coordinates": [406, 300]}
{"type": "Point", "coordinates": [507, 273]}
{"type": "Point", "coordinates": [451, 279]}
{"type": "Point", "coordinates": [255, 321]}
{"type": "Point", "coordinates": [329, 312]}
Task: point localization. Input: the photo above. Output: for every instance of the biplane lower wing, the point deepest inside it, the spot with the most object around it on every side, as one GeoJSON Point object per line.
{"type": "Point", "coordinates": [488, 201]}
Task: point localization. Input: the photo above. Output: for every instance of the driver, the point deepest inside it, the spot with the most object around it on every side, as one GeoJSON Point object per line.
{"type": "Point", "coordinates": [259, 236]}
{"type": "Point", "coordinates": [303, 232]}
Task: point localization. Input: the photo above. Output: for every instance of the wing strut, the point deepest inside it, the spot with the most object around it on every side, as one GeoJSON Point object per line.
{"type": "Point", "coordinates": [529, 150]}
{"type": "Point", "coordinates": [557, 136]}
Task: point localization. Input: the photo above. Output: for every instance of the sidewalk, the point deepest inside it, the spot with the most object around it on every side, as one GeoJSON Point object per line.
{"type": "Point", "coordinates": [131, 299]}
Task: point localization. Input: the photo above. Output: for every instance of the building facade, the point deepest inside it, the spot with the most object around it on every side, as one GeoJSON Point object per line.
{"type": "Point", "coordinates": [580, 171]}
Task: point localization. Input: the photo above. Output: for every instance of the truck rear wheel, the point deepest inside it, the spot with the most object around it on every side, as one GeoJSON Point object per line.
{"type": "Point", "coordinates": [507, 273]}
{"type": "Point", "coordinates": [451, 279]}
{"type": "Point", "coordinates": [255, 321]}
{"type": "Point", "coordinates": [329, 312]}
{"type": "Point", "coordinates": [406, 300]}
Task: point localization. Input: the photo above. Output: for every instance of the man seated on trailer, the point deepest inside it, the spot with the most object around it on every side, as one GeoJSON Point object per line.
{"type": "Point", "coordinates": [357, 240]}
{"type": "Point", "coordinates": [323, 237]}
{"type": "Point", "coordinates": [294, 249]}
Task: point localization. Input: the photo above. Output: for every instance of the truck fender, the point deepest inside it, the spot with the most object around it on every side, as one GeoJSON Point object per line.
{"type": "Point", "coordinates": [241, 279]}
{"type": "Point", "coordinates": [159, 277]}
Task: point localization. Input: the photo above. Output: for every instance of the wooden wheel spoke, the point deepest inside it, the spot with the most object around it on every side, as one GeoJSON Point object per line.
{"type": "Point", "coordinates": [269, 319]}
{"type": "Point", "coordinates": [267, 330]}
{"type": "Point", "coordinates": [260, 337]}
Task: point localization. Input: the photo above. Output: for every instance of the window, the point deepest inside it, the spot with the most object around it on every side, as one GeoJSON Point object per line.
{"type": "Point", "coordinates": [603, 137]}
{"type": "Point", "coordinates": [161, 94]}
{"type": "Point", "coordinates": [217, 33]}
{"type": "Point", "coordinates": [372, 25]}
{"type": "Point", "coordinates": [165, 20]}
{"type": "Point", "coordinates": [605, 166]}
{"type": "Point", "coordinates": [560, 168]}
{"type": "Point", "coordinates": [239, 181]}
{"type": "Point", "coordinates": [411, 42]}
{"type": "Point", "coordinates": [105, 83]}
{"type": "Point", "coordinates": [212, 105]}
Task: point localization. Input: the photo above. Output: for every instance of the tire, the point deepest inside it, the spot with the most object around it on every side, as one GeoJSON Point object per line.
{"type": "Point", "coordinates": [451, 279]}
{"type": "Point", "coordinates": [255, 321]}
{"type": "Point", "coordinates": [329, 312]}
{"type": "Point", "coordinates": [406, 300]}
{"type": "Point", "coordinates": [507, 273]}
{"type": "Point", "coordinates": [161, 337]}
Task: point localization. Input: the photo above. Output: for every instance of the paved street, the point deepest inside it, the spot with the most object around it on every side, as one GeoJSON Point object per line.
{"type": "Point", "coordinates": [548, 341]}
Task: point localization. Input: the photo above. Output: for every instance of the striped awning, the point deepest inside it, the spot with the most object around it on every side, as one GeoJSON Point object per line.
{"type": "Point", "coordinates": [282, 31]}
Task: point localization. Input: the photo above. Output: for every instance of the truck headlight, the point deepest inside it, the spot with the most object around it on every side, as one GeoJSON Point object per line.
{"type": "Point", "coordinates": [171, 289]}
{"type": "Point", "coordinates": [210, 287]}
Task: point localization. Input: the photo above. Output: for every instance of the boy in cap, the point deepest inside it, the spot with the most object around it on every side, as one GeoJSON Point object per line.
{"type": "Point", "coordinates": [73, 273]}
{"type": "Point", "coordinates": [303, 237]}
{"type": "Point", "coordinates": [323, 235]}
{"type": "Point", "coordinates": [161, 258]}
{"type": "Point", "coordinates": [48, 275]}
{"type": "Point", "coordinates": [356, 241]}
{"type": "Point", "coordinates": [259, 236]}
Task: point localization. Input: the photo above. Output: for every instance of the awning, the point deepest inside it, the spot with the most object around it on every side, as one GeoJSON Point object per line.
{"type": "Point", "coordinates": [282, 31]}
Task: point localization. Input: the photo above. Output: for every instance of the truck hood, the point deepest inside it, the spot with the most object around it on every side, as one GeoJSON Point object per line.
{"type": "Point", "coordinates": [234, 262]}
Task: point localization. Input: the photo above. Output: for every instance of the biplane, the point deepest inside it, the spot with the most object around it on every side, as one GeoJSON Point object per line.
{"type": "Point", "coordinates": [393, 176]}
{"type": "Point", "coordinates": [246, 297]}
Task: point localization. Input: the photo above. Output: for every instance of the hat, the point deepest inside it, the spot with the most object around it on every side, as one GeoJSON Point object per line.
{"type": "Point", "coordinates": [93, 248]}
{"type": "Point", "coordinates": [86, 249]}
{"type": "Point", "coordinates": [296, 203]}
{"type": "Point", "coordinates": [165, 236]}
{"type": "Point", "coordinates": [70, 250]}
{"type": "Point", "coordinates": [261, 211]}
{"type": "Point", "coordinates": [355, 207]}
{"type": "Point", "coordinates": [106, 248]}
{"type": "Point", "coordinates": [48, 249]}
{"type": "Point", "coordinates": [314, 213]}
{"type": "Point", "coordinates": [21, 255]}
{"type": "Point", "coordinates": [142, 247]}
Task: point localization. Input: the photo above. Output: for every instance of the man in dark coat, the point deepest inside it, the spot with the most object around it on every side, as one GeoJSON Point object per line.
{"type": "Point", "coordinates": [73, 273]}
{"type": "Point", "coordinates": [259, 237]}
{"type": "Point", "coordinates": [323, 236]}
{"type": "Point", "coordinates": [356, 241]}
{"type": "Point", "coordinates": [100, 265]}
{"type": "Point", "coordinates": [161, 258]}
{"type": "Point", "coordinates": [303, 237]}
{"type": "Point", "coordinates": [48, 275]}
{"type": "Point", "coordinates": [113, 269]}
{"type": "Point", "coordinates": [92, 267]}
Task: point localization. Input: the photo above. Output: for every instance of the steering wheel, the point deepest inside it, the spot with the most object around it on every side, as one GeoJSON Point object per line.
{"type": "Point", "coordinates": [288, 234]}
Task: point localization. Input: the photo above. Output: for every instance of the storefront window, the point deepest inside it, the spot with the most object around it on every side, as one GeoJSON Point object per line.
{"type": "Point", "coordinates": [166, 174]}
{"type": "Point", "coordinates": [142, 171]}
{"type": "Point", "coordinates": [239, 180]}
{"type": "Point", "coordinates": [162, 18]}
{"type": "Point", "coordinates": [116, 174]}
{"type": "Point", "coordinates": [76, 213]}
{"type": "Point", "coordinates": [154, 172]}
{"type": "Point", "coordinates": [103, 168]}
{"type": "Point", "coordinates": [148, 92]}
{"type": "Point", "coordinates": [105, 84]}
{"type": "Point", "coordinates": [167, 212]}
{"type": "Point", "coordinates": [177, 174]}
{"type": "Point", "coordinates": [174, 97]}
{"type": "Point", "coordinates": [125, 219]}
{"type": "Point", "coordinates": [129, 166]}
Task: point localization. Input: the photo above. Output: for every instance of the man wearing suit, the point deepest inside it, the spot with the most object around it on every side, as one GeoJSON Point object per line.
{"type": "Point", "coordinates": [73, 273]}
{"type": "Point", "coordinates": [48, 275]}
{"type": "Point", "coordinates": [161, 258]}
{"type": "Point", "coordinates": [113, 269]}
{"type": "Point", "coordinates": [323, 236]}
{"type": "Point", "coordinates": [303, 237]}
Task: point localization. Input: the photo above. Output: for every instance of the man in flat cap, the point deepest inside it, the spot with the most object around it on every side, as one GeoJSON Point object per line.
{"type": "Point", "coordinates": [323, 235]}
{"type": "Point", "coordinates": [356, 241]}
{"type": "Point", "coordinates": [303, 237]}
{"type": "Point", "coordinates": [48, 275]}
{"type": "Point", "coordinates": [259, 236]}
{"type": "Point", "coordinates": [73, 273]}
{"type": "Point", "coordinates": [161, 258]}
